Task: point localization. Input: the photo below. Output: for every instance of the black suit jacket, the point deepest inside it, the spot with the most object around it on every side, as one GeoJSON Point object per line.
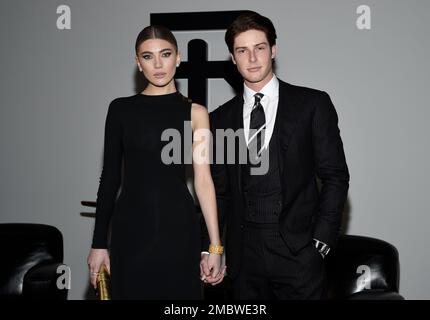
{"type": "Point", "coordinates": [309, 146]}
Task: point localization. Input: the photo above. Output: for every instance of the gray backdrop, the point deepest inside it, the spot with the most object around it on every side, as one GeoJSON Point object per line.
{"type": "Point", "coordinates": [56, 86]}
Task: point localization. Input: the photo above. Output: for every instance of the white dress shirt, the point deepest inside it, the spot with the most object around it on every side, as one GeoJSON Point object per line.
{"type": "Point", "coordinates": [270, 105]}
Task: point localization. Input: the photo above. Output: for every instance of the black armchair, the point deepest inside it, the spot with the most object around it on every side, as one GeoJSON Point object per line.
{"type": "Point", "coordinates": [361, 268]}
{"type": "Point", "coordinates": [31, 255]}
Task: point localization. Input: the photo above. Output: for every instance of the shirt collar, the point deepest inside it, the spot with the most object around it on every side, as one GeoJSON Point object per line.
{"type": "Point", "coordinates": [270, 90]}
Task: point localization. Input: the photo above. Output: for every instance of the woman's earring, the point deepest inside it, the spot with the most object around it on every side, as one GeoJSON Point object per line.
{"type": "Point", "coordinates": [177, 65]}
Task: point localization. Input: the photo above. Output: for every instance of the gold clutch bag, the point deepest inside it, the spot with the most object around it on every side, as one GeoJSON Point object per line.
{"type": "Point", "coordinates": [103, 284]}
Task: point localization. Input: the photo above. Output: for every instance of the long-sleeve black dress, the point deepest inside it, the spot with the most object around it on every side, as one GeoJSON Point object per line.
{"type": "Point", "coordinates": [155, 238]}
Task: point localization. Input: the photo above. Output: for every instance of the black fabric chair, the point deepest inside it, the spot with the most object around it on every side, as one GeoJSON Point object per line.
{"type": "Point", "coordinates": [30, 257]}
{"type": "Point", "coordinates": [361, 268]}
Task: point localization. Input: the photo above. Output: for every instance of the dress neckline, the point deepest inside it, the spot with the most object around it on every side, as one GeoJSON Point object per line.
{"type": "Point", "coordinates": [167, 95]}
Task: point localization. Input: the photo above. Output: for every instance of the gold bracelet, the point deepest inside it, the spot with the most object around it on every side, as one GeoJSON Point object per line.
{"type": "Point", "coordinates": [218, 249]}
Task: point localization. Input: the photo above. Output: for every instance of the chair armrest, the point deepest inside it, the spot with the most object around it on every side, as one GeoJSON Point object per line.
{"type": "Point", "coordinates": [40, 282]}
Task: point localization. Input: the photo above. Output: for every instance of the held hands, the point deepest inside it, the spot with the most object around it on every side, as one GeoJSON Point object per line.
{"type": "Point", "coordinates": [96, 258]}
{"type": "Point", "coordinates": [211, 270]}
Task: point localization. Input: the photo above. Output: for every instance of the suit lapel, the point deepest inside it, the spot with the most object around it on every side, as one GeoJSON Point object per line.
{"type": "Point", "coordinates": [238, 125]}
{"type": "Point", "coordinates": [286, 119]}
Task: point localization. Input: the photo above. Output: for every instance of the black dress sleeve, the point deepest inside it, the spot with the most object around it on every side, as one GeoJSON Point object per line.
{"type": "Point", "coordinates": [110, 179]}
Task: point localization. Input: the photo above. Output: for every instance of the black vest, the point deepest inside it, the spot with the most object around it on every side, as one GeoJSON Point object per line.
{"type": "Point", "coordinates": [263, 193]}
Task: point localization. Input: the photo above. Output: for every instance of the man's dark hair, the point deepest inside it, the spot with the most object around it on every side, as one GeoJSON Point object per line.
{"type": "Point", "coordinates": [248, 21]}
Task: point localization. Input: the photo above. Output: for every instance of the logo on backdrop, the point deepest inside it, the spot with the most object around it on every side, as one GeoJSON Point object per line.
{"type": "Point", "coordinates": [198, 69]}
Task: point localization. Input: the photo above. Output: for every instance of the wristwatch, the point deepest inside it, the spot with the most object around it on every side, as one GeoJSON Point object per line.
{"type": "Point", "coordinates": [322, 248]}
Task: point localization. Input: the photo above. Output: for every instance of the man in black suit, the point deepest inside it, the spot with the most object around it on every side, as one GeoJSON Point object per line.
{"type": "Point", "coordinates": [280, 226]}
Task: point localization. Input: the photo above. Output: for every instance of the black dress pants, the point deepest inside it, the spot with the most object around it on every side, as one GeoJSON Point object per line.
{"type": "Point", "coordinates": [269, 270]}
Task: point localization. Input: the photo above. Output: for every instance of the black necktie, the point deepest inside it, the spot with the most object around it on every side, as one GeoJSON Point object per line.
{"type": "Point", "coordinates": [256, 126]}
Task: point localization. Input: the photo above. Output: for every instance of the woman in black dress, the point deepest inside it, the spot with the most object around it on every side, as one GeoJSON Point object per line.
{"type": "Point", "coordinates": [154, 251]}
